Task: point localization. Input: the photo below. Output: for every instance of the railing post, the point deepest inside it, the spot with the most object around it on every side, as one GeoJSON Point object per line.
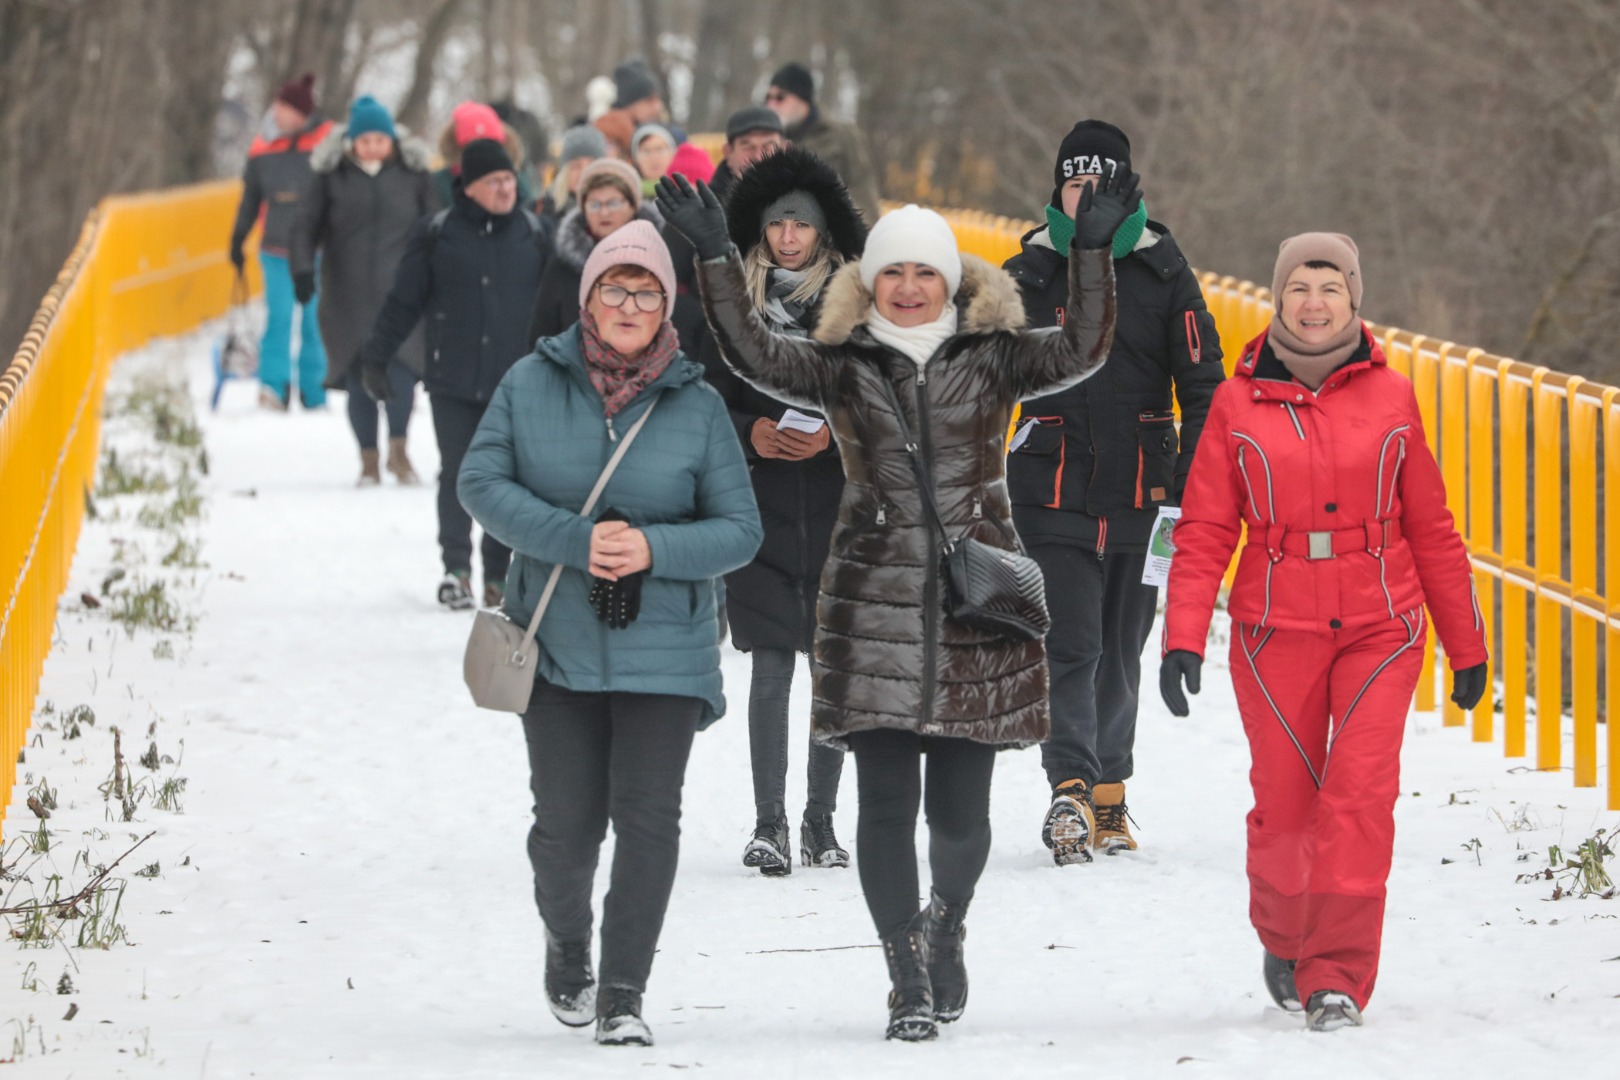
{"type": "Point", "coordinates": [1481, 523]}
{"type": "Point", "coordinates": [1424, 376]}
{"type": "Point", "coordinates": [1453, 438]}
{"type": "Point", "coordinates": [1611, 584]}
{"type": "Point", "coordinates": [1514, 462]}
{"type": "Point", "coordinates": [1583, 539]}
{"type": "Point", "coordinates": [1549, 501]}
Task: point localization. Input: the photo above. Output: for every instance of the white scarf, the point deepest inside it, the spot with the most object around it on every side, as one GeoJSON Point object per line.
{"type": "Point", "coordinates": [916, 342]}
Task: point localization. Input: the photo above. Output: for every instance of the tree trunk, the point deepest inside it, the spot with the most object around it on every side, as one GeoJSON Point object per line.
{"type": "Point", "coordinates": [412, 111]}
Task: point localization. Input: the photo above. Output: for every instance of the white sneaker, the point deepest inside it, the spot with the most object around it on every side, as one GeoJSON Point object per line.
{"type": "Point", "coordinates": [455, 592]}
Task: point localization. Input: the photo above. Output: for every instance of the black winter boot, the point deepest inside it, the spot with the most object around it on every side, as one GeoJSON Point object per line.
{"type": "Point", "coordinates": [570, 985]}
{"type": "Point", "coordinates": [769, 850]}
{"type": "Point", "coordinates": [618, 1018]}
{"type": "Point", "coordinates": [1279, 974]}
{"type": "Point", "coordinates": [947, 968]}
{"type": "Point", "coordinates": [818, 844]}
{"type": "Point", "coordinates": [911, 1000]}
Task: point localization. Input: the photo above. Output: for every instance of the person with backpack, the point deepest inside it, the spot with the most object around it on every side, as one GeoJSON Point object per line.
{"type": "Point", "coordinates": [793, 220]}
{"type": "Point", "coordinates": [468, 273]}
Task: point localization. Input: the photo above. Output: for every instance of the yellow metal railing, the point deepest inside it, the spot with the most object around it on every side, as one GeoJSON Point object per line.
{"type": "Point", "coordinates": [144, 266]}
{"type": "Point", "coordinates": [1487, 419]}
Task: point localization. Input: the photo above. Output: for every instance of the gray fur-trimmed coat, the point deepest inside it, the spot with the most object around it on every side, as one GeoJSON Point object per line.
{"type": "Point", "coordinates": [359, 224]}
{"type": "Point", "coordinates": [886, 655]}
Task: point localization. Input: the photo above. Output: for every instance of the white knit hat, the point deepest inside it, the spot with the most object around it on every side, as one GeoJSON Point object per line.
{"type": "Point", "coordinates": [912, 234]}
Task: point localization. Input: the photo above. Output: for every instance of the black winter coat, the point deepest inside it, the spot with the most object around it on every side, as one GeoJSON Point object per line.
{"type": "Point", "coordinates": [555, 301]}
{"type": "Point", "coordinates": [472, 284]}
{"type": "Point", "coordinates": [1105, 455]}
{"type": "Point", "coordinates": [886, 655]}
{"type": "Point", "coordinates": [771, 602]}
{"type": "Point", "coordinates": [359, 223]}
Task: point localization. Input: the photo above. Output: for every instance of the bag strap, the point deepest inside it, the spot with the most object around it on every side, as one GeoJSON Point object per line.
{"type": "Point", "coordinates": [925, 484]}
{"type": "Point", "coordinates": [590, 504]}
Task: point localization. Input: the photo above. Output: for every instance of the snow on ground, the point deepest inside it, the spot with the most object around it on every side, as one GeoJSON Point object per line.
{"type": "Point", "coordinates": [345, 893]}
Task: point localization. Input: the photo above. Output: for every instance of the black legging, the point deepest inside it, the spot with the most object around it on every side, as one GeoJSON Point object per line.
{"type": "Point", "coordinates": [889, 786]}
{"type": "Point", "coordinates": [363, 411]}
{"type": "Point", "coordinates": [768, 698]}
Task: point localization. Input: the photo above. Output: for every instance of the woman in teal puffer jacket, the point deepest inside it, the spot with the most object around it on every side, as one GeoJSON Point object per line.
{"type": "Point", "coordinates": [630, 646]}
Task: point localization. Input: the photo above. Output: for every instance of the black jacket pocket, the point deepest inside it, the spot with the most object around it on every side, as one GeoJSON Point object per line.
{"type": "Point", "coordinates": [1155, 458]}
{"type": "Point", "coordinates": [1035, 469]}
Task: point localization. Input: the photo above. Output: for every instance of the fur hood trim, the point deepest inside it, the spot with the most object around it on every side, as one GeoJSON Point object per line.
{"type": "Point", "coordinates": [412, 152]}
{"type": "Point", "coordinates": [450, 150]}
{"type": "Point", "coordinates": [574, 242]}
{"type": "Point", "coordinates": [793, 169]}
{"type": "Point", "coordinates": [988, 301]}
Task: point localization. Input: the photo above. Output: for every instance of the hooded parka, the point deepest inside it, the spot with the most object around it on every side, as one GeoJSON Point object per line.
{"type": "Point", "coordinates": [771, 602]}
{"type": "Point", "coordinates": [886, 655]}
{"type": "Point", "coordinates": [359, 223]}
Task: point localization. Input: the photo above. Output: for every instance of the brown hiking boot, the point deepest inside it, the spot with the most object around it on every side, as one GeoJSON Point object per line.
{"type": "Point", "coordinates": [1113, 832]}
{"type": "Point", "coordinates": [369, 476]}
{"type": "Point", "coordinates": [1070, 823]}
{"type": "Point", "coordinates": [400, 465]}
{"type": "Point", "coordinates": [494, 592]}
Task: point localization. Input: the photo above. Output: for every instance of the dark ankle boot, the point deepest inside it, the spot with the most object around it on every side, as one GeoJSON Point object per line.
{"type": "Point", "coordinates": [911, 999]}
{"type": "Point", "coordinates": [947, 968]}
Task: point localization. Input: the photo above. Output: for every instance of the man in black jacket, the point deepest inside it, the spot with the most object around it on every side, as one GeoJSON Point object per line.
{"type": "Point", "coordinates": [472, 272]}
{"type": "Point", "coordinates": [1092, 466]}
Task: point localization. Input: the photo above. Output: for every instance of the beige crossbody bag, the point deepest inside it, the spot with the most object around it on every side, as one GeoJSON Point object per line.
{"type": "Point", "coordinates": [499, 665]}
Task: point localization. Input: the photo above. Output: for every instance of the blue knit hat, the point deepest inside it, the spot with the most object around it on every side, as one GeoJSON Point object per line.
{"type": "Point", "coordinates": [369, 114]}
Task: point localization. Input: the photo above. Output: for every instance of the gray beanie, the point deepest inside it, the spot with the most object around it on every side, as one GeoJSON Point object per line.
{"type": "Point", "coordinates": [798, 205]}
{"type": "Point", "coordinates": [582, 141]}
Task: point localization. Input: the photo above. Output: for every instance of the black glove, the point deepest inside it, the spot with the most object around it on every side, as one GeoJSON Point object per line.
{"type": "Point", "coordinates": [1101, 212]}
{"type": "Point", "coordinates": [696, 215]}
{"type": "Point", "coordinates": [238, 259]}
{"type": "Point", "coordinates": [1179, 664]}
{"type": "Point", "coordinates": [1468, 686]}
{"type": "Point", "coordinates": [374, 377]}
{"type": "Point", "coordinates": [304, 286]}
{"type": "Point", "coordinates": [617, 603]}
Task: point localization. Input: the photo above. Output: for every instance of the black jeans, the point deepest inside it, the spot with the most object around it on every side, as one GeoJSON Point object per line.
{"type": "Point", "coordinates": [454, 422]}
{"type": "Point", "coordinates": [363, 411]}
{"type": "Point", "coordinates": [889, 786]}
{"type": "Point", "coordinates": [595, 758]}
{"type": "Point", "coordinates": [1101, 617]}
{"type": "Point", "coordinates": [768, 699]}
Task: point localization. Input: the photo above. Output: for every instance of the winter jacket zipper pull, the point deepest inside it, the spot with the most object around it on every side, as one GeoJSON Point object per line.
{"type": "Point", "coordinates": [613, 436]}
{"type": "Point", "coordinates": [882, 517]}
{"type": "Point", "coordinates": [978, 509]}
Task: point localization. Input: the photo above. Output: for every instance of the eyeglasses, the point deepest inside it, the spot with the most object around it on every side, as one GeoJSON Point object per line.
{"type": "Point", "coordinates": [614, 296]}
{"type": "Point", "coordinates": [607, 206]}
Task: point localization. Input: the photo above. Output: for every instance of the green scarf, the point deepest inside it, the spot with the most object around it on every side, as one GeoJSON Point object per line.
{"type": "Point", "coordinates": [1125, 238]}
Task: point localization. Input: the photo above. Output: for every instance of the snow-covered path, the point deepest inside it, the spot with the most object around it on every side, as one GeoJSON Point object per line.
{"type": "Point", "coordinates": [357, 900]}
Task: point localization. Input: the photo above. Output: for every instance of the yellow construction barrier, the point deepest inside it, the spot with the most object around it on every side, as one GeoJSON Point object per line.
{"type": "Point", "coordinates": [144, 266]}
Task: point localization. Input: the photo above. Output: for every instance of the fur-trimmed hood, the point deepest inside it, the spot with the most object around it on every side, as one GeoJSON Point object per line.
{"type": "Point", "coordinates": [988, 302]}
{"type": "Point", "coordinates": [412, 152]}
{"type": "Point", "coordinates": [793, 169]}
{"type": "Point", "coordinates": [575, 243]}
{"type": "Point", "coordinates": [450, 150]}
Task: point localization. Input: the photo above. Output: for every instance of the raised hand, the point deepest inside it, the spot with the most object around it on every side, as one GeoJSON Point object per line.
{"type": "Point", "coordinates": [696, 214]}
{"type": "Point", "coordinates": [1101, 211]}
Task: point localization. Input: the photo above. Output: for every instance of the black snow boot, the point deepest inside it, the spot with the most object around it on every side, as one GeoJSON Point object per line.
{"type": "Point", "coordinates": [947, 969]}
{"type": "Point", "coordinates": [818, 845]}
{"type": "Point", "coordinates": [1279, 975]}
{"type": "Point", "coordinates": [911, 999]}
{"type": "Point", "coordinates": [618, 1018]}
{"type": "Point", "coordinates": [570, 985]}
{"type": "Point", "coordinates": [769, 851]}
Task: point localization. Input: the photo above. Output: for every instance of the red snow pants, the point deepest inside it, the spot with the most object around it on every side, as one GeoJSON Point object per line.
{"type": "Point", "coordinates": [1325, 714]}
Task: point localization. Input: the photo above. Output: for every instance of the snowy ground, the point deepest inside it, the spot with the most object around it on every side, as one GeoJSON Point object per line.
{"type": "Point", "coordinates": [345, 893]}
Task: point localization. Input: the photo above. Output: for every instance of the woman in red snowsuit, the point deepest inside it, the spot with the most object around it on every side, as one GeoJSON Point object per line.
{"type": "Point", "coordinates": [1327, 611]}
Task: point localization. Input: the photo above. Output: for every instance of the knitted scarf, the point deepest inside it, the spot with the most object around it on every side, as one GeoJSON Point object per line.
{"type": "Point", "coordinates": [786, 315]}
{"type": "Point", "coordinates": [1125, 237]}
{"type": "Point", "coordinates": [1312, 364]}
{"type": "Point", "coordinates": [617, 379]}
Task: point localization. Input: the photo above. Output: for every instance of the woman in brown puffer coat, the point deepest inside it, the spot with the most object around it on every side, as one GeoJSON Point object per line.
{"type": "Point", "coordinates": [894, 676]}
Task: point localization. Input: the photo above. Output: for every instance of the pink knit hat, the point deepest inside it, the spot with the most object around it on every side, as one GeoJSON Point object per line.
{"type": "Point", "coordinates": [634, 244]}
{"type": "Point", "coordinates": [475, 120]}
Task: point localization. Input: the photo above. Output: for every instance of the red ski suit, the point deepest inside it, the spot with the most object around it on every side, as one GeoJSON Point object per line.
{"type": "Point", "coordinates": [1327, 636]}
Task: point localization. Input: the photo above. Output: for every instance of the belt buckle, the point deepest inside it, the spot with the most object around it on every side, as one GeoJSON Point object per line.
{"type": "Point", "coordinates": [1319, 545]}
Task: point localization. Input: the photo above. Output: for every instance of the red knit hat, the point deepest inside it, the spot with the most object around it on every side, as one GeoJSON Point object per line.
{"type": "Point", "coordinates": [300, 94]}
{"type": "Point", "coordinates": [475, 120]}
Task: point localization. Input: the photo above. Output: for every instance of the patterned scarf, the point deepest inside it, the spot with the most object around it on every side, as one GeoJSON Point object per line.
{"type": "Point", "coordinates": [785, 315]}
{"type": "Point", "coordinates": [619, 380]}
